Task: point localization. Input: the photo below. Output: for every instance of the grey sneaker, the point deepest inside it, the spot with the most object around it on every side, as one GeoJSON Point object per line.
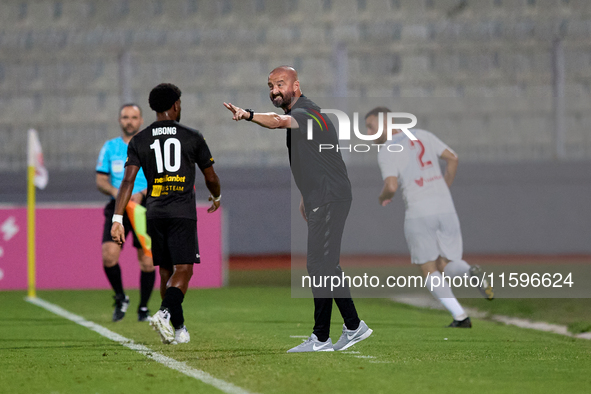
{"type": "Point", "coordinates": [486, 290]}
{"type": "Point", "coordinates": [181, 336]}
{"type": "Point", "coordinates": [351, 337]}
{"type": "Point", "coordinates": [160, 322]}
{"type": "Point", "coordinates": [312, 344]}
{"type": "Point", "coordinates": [121, 304]}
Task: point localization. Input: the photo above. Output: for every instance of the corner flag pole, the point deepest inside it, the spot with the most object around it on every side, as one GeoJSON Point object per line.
{"type": "Point", "coordinates": [31, 230]}
{"type": "Point", "coordinates": [36, 176]}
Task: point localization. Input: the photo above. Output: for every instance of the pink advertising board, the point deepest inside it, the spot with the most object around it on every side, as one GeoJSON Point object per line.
{"type": "Point", "coordinates": [68, 249]}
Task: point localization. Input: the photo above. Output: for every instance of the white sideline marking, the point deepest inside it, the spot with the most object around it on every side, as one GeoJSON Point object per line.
{"type": "Point", "coordinates": [171, 363]}
{"type": "Point", "coordinates": [298, 336]}
{"type": "Point", "coordinates": [429, 302]}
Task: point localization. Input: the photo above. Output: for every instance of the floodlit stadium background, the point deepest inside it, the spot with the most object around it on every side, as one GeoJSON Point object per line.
{"type": "Point", "coordinates": [524, 179]}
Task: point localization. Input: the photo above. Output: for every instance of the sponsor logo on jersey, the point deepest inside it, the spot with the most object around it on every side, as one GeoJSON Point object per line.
{"type": "Point", "coordinates": [163, 131]}
{"type": "Point", "coordinates": [421, 181]}
{"type": "Point", "coordinates": [172, 188]}
{"type": "Point", "coordinates": [156, 190]}
{"type": "Point", "coordinates": [168, 178]}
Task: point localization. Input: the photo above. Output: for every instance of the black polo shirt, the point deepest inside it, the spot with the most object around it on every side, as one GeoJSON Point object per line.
{"type": "Point", "coordinates": [321, 176]}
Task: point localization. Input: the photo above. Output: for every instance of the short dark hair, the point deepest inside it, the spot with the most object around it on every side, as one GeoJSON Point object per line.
{"type": "Point", "coordinates": [163, 97]}
{"type": "Point", "coordinates": [376, 111]}
{"type": "Point", "coordinates": [130, 105]}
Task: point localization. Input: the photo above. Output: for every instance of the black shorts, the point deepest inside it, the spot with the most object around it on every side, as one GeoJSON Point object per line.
{"type": "Point", "coordinates": [109, 211]}
{"type": "Point", "coordinates": [174, 241]}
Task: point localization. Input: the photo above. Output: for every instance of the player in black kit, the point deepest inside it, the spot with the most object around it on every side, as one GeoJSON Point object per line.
{"type": "Point", "coordinates": [168, 151]}
{"type": "Point", "coordinates": [324, 184]}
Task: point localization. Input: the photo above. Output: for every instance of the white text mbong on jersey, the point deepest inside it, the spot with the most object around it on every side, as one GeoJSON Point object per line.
{"type": "Point", "coordinates": [344, 130]}
{"type": "Point", "coordinates": [163, 131]}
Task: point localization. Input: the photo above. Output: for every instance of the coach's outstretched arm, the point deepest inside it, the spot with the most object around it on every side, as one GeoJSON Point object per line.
{"type": "Point", "coordinates": [452, 166]}
{"type": "Point", "coordinates": [269, 120]}
{"type": "Point", "coordinates": [123, 196]}
{"type": "Point", "coordinates": [213, 185]}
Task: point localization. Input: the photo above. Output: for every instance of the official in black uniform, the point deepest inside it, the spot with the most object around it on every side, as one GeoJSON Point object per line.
{"type": "Point", "coordinates": [167, 151]}
{"type": "Point", "coordinates": [322, 180]}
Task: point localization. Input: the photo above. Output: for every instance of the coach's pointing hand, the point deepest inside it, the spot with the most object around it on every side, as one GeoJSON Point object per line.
{"type": "Point", "coordinates": [238, 112]}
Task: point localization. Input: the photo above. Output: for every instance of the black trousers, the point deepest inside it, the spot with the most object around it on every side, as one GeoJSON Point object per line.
{"type": "Point", "coordinates": [325, 230]}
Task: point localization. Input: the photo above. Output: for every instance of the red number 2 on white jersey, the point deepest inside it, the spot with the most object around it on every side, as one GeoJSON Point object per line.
{"type": "Point", "coordinates": [424, 165]}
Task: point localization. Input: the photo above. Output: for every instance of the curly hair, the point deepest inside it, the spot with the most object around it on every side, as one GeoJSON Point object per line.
{"type": "Point", "coordinates": [163, 97]}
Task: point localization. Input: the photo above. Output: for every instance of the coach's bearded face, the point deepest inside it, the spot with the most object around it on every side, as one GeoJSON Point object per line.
{"type": "Point", "coordinates": [282, 98]}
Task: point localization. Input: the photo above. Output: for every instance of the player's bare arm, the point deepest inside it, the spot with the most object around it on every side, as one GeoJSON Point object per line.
{"type": "Point", "coordinates": [269, 120]}
{"type": "Point", "coordinates": [452, 166]}
{"type": "Point", "coordinates": [213, 185]}
{"type": "Point", "coordinates": [123, 196]}
{"type": "Point", "coordinates": [388, 191]}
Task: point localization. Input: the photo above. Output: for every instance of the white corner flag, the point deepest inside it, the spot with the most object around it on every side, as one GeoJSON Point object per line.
{"type": "Point", "coordinates": [35, 160]}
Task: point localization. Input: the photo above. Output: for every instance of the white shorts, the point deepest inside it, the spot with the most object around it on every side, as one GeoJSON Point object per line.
{"type": "Point", "coordinates": [432, 236]}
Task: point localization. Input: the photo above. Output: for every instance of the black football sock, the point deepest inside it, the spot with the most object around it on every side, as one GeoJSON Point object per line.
{"type": "Point", "coordinates": [173, 299]}
{"type": "Point", "coordinates": [114, 276]}
{"type": "Point", "coordinates": [147, 280]}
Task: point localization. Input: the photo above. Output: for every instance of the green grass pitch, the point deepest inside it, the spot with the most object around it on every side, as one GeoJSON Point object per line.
{"type": "Point", "coordinates": [241, 334]}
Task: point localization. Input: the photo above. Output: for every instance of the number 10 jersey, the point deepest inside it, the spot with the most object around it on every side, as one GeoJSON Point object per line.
{"type": "Point", "coordinates": [168, 151]}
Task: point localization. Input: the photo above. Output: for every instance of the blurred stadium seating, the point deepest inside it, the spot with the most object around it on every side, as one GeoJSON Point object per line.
{"type": "Point", "coordinates": [60, 68]}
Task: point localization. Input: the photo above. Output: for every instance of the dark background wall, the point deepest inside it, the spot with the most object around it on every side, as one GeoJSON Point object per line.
{"type": "Point", "coordinates": [529, 208]}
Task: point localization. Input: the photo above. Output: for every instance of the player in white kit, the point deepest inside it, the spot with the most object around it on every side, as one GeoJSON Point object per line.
{"type": "Point", "coordinates": [431, 225]}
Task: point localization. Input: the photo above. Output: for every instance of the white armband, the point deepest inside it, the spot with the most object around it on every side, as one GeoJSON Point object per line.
{"type": "Point", "coordinates": [118, 219]}
{"type": "Point", "coordinates": [216, 199]}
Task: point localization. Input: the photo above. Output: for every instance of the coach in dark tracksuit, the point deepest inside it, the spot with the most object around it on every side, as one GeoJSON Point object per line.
{"type": "Point", "coordinates": [322, 180]}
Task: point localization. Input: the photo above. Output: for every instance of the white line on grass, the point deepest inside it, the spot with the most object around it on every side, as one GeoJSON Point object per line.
{"type": "Point", "coordinates": [171, 363]}
{"type": "Point", "coordinates": [429, 302]}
